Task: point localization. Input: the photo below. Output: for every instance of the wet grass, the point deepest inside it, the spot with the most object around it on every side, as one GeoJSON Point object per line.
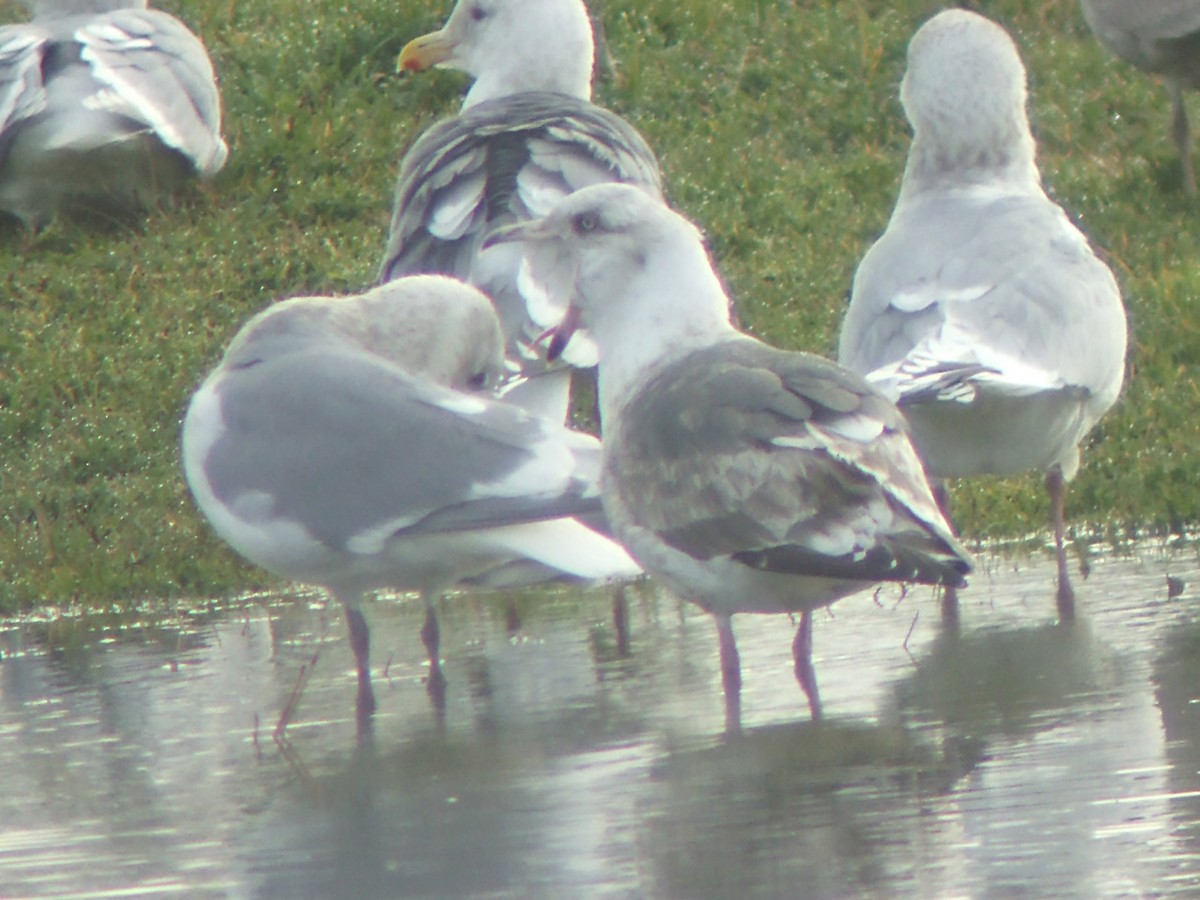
{"type": "Point", "coordinates": [780, 133]}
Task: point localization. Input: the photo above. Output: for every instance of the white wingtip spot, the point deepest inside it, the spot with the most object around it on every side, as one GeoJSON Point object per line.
{"type": "Point", "coordinates": [463, 405]}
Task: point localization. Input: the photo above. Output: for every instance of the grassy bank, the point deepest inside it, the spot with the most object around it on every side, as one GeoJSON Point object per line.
{"type": "Point", "coordinates": [780, 132]}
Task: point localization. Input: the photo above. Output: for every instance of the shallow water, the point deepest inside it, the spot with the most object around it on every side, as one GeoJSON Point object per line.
{"type": "Point", "coordinates": [1017, 758]}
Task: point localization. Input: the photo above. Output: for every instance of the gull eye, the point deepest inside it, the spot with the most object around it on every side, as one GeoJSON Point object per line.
{"type": "Point", "coordinates": [585, 223]}
{"type": "Point", "coordinates": [478, 13]}
{"type": "Point", "coordinates": [478, 381]}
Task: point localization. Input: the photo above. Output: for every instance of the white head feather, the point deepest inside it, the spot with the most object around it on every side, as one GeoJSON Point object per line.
{"type": "Point", "coordinates": [514, 46]}
{"type": "Point", "coordinates": [964, 93]}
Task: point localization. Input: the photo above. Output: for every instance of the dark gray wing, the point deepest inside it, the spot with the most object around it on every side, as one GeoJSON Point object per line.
{"type": "Point", "coordinates": [346, 444]}
{"type": "Point", "coordinates": [784, 462]}
{"type": "Point", "coordinates": [154, 63]}
{"type": "Point", "coordinates": [501, 161]}
{"type": "Point", "coordinates": [22, 93]}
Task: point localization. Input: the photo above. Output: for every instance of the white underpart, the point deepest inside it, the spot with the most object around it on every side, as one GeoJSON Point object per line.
{"type": "Point", "coordinates": [568, 546]}
{"type": "Point", "coordinates": [279, 545]}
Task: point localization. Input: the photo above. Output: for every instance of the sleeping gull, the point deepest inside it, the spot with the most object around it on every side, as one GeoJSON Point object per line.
{"type": "Point", "coordinates": [346, 442]}
{"type": "Point", "coordinates": [1161, 37]}
{"type": "Point", "coordinates": [527, 136]}
{"type": "Point", "coordinates": [745, 478]}
{"type": "Point", "coordinates": [982, 310]}
{"type": "Point", "coordinates": [105, 107]}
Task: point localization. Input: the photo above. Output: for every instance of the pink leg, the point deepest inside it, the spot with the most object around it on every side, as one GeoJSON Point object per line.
{"type": "Point", "coordinates": [620, 611]}
{"type": "Point", "coordinates": [950, 617]}
{"type": "Point", "coordinates": [293, 700]}
{"type": "Point", "coordinates": [512, 617]}
{"type": "Point", "coordinates": [1057, 489]}
{"type": "Point", "coordinates": [802, 654]}
{"type": "Point", "coordinates": [731, 673]}
{"type": "Point", "coordinates": [431, 638]}
{"type": "Point", "coordinates": [360, 643]}
{"type": "Point", "coordinates": [951, 620]}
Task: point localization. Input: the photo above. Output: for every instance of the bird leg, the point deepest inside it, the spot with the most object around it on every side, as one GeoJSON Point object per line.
{"type": "Point", "coordinates": [1057, 489]}
{"type": "Point", "coordinates": [802, 654]}
{"type": "Point", "coordinates": [293, 700]}
{"type": "Point", "coordinates": [731, 674]}
{"type": "Point", "coordinates": [620, 612]}
{"type": "Point", "coordinates": [360, 643]}
{"type": "Point", "coordinates": [1182, 133]}
{"type": "Point", "coordinates": [431, 638]}
{"type": "Point", "coordinates": [512, 617]}
{"type": "Point", "coordinates": [950, 618]}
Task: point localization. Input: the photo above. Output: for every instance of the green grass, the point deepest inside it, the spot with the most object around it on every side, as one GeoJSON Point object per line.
{"type": "Point", "coordinates": [780, 133]}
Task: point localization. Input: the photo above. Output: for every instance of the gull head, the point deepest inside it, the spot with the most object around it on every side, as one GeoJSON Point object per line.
{"type": "Point", "coordinates": [510, 47]}
{"type": "Point", "coordinates": [434, 326]}
{"type": "Point", "coordinates": [964, 94]}
{"type": "Point", "coordinates": [428, 325]}
{"type": "Point", "coordinates": [622, 264]}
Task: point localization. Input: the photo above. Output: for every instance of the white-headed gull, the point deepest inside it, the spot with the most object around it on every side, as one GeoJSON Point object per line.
{"type": "Point", "coordinates": [1161, 37]}
{"type": "Point", "coordinates": [106, 107]}
{"type": "Point", "coordinates": [527, 136]}
{"type": "Point", "coordinates": [743, 477]}
{"type": "Point", "coordinates": [982, 310]}
{"type": "Point", "coordinates": [350, 442]}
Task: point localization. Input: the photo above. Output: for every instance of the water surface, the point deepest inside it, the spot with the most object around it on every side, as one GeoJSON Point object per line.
{"type": "Point", "coordinates": [1018, 757]}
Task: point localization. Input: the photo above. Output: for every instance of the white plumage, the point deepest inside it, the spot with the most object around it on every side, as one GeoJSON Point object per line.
{"type": "Point", "coordinates": [528, 135]}
{"type": "Point", "coordinates": [106, 108]}
{"type": "Point", "coordinates": [982, 310]}
{"type": "Point", "coordinates": [350, 442]}
{"type": "Point", "coordinates": [745, 478]}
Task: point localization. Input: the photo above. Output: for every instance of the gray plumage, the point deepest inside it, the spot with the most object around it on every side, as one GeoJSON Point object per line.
{"type": "Point", "coordinates": [745, 478]}
{"type": "Point", "coordinates": [105, 109]}
{"type": "Point", "coordinates": [503, 161]}
{"type": "Point", "coordinates": [962, 311]}
{"type": "Point", "coordinates": [528, 135]}
{"type": "Point", "coordinates": [812, 440]}
{"type": "Point", "coordinates": [353, 443]}
{"type": "Point", "coordinates": [1161, 37]}
{"type": "Point", "coordinates": [982, 310]}
{"type": "Point", "coordinates": [499, 162]}
{"type": "Point", "coordinates": [306, 429]}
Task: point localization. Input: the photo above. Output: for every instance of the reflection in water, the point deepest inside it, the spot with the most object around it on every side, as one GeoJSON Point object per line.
{"type": "Point", "coordinates": [1177, 674]}
{"type": "Point", "coordinates": [1009, 682]}
{"type": "Point", "coordinates": [821, 811]}
{"type": "Point", "coordinates": [1017, 758]}
{"type": "Point", "coordinates": [436, 817]}
{"type": "Point", "coordinates": [1047, 708]}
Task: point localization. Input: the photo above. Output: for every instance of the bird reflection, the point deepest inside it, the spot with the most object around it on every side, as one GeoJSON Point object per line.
{"type": "Point", "coordinates": [1005, 681]}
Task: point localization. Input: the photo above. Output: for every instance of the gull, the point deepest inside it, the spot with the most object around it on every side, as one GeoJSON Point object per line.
{"type": "Point", "coordinates": [982, 310]}
{"type": "Point", "coordinates": [527, 136]}
{"type": "Point", "coordinates": [105, 108]}
{"type": "Point", "coordinates": [743, 477]}
{"type": "Point", "coordinates": [1161, 37]}
{"type": "Point", "coordinates": [351, 442]}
